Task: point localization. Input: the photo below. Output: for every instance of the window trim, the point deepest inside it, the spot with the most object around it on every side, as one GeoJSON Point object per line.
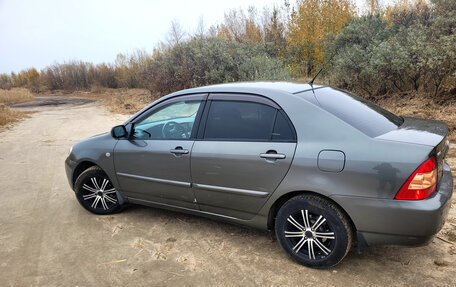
{"type": "Point", "coordinates": [192, 97]}
{"type": "Point", "coordinates": [227, 97]}
{"type": "Point", "coordinates": [238, 97]}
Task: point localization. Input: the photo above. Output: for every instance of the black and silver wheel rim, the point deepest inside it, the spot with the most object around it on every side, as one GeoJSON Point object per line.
{"type": "Point", "coordinates": [309, 235]}
{"type": "Point", "coordinates": [99, 193]}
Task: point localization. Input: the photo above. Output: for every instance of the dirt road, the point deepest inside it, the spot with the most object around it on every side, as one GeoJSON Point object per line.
{"type": "Point", "coordinates": [47, 239]}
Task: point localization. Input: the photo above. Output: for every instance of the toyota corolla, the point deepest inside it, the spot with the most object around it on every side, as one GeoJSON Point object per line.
{"type": "Point", "coordinates": [320, 167]}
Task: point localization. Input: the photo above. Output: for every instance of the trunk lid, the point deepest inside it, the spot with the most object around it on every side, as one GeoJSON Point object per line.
{"type": "Point", "coordinates": [425, 132]}
{"type": "Point", "coordinates": [418, 131]}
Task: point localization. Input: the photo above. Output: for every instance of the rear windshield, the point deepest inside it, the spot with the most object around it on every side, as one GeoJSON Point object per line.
{"type": "Point", "coordinates": [363, 115]}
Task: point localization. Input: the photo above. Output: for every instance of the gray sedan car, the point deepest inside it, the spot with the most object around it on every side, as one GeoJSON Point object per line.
{"type": "Point", "coordinates": [323, 168]}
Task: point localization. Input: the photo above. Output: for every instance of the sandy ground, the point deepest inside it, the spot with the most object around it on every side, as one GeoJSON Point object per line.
{"type": "Point", "coordinates": [47, 239]}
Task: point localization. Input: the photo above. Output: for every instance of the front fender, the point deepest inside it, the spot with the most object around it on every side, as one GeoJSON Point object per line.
{"type": "Point", "coordinates": [98, 150]}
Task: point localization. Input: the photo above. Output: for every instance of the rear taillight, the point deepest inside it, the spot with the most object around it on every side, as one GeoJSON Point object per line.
{"type": "Point", "coordinates": [421, 184]}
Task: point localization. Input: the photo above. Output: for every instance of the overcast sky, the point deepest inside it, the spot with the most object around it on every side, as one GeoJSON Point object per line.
{"type": "Point", "coordinates": [41, 32]}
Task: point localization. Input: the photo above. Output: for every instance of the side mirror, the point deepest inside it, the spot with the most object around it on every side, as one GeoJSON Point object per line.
{"type": "Point", "coordinates": [118, 132]}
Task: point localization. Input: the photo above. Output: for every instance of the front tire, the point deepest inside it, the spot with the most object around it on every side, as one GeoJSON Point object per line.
{"type": "Point", "coordinates": [95, 192]}
{"type": "Point", "coordinates": [313, 231]}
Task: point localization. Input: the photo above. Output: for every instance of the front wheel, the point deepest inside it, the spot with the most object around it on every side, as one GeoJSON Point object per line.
{"type": "Point", "coordinates": [96, 193]}
{"type": "Point", "coordinates": [313, 231]}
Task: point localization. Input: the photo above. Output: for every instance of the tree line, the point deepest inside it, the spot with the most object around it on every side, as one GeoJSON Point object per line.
{"type": "Point", "coordinates": [407, 46]}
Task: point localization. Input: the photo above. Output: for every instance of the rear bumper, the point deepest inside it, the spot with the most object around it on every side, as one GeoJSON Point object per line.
{"type": "Point", "coordinates": [400, 222]}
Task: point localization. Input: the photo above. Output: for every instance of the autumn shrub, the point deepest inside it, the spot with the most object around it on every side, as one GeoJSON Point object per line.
{"type": "Point", "coordinates": [6, 82]}
{"type": "Point", "coordinates": [204, 61]}
{"type": "Point", "coordinates": [410, 46]}
{"type": "Point", "coordinates": [103, 75]}
{"type": "Point", "coordinates": [129, 70]}
{"type": "Point", "coordinates": [415, 49]}
{"type": "Point", "coordinates": [73, 75]}
{"type": "Point", "coordinates": [29, 78]}
{"type": "Point", "coordinates": [354, 51]}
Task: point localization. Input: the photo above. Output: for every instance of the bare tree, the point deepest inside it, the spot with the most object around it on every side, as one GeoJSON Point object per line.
{"type": "Point", "coordinates": [176, 33]}
{"type": "Point", "coordinates": [213, 31]}
{"type": "Point", "coordinates": [235, 23]}
{"type": "Point", "coordinates": [273, 27]}
{"type": "Point", "coordinates": [200, 29]}
{"type": "Point", "coordinates": [373, 6]}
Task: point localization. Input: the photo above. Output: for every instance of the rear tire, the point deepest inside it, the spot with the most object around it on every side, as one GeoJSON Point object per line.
{"type": "Point", "coordinates": [313, 231]}
{"type": "Point", "coordinates": [95, 192]}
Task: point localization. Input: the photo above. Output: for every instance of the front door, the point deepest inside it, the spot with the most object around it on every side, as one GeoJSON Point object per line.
{"type": "Point", "coordinates": [245, 151]}
{"type": "Point", "coordinates": [154, 164]}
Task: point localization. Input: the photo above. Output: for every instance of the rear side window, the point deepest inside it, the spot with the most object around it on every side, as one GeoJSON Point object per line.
{"type": "Point", "coordinates": [363, 115]}
{"type": "Point", "coordinates": [247, 121]}
{"type": "Point", "coordinates": [282, 129]}
{"type": "Point", "coordinates": [239, 120]}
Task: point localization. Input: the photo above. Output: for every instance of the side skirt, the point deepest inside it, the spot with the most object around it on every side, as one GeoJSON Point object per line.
{"type": "Point", "coordinates": [258, 222]}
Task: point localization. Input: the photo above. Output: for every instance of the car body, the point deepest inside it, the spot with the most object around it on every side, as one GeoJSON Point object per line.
{"type": "Point", "coordinates": [242, 152]}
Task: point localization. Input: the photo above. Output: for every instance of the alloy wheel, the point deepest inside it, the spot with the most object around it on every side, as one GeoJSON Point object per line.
{"type": "Point", "coordinates": [310, 235]}
{"type": "Point", "coordinates": [99, 193]}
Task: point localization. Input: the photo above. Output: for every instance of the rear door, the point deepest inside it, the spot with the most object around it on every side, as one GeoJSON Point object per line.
{"type": "Point", "coordinates": [242, 153]}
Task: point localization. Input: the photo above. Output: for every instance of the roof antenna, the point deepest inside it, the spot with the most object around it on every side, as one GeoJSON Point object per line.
{"type": "Point", "coordinates": [313, 79]}
{"type": "Point", "coordinates": [311, 82]}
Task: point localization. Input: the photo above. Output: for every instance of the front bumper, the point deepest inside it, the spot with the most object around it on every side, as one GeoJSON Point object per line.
{"type": "Point", "coordinates": [69, 170]}
{"type": "Point", "coordinates": [400, 222]}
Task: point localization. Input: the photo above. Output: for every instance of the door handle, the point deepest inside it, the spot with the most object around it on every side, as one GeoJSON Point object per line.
{"type": "Point", "coordinates": [272, 155]}
{"type": "Point", "coordinates": [178, 151]}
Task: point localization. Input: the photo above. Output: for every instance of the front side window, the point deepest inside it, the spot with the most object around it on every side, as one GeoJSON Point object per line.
{"type": "Point", "coordinates": [239, 121]}
{"type": "Point", "coordinates": [173, 121]}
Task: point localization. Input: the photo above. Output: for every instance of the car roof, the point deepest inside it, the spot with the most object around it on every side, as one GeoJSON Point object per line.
{"type": "Point", "coordinates": [248, 87]}
{"type": "Point", "coordinates": [261, 88]}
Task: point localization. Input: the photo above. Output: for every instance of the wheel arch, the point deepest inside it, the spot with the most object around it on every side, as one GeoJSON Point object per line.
{"type": "Point", "coordinates": [284, 198]}
{"type": "Point", "coordinates": [80, 168]}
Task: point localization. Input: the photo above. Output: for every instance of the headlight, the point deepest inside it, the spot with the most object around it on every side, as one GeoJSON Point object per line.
{"type": "Point", "coordinates": [71, 149]}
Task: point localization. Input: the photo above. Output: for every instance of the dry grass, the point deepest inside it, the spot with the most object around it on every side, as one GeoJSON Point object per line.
{"type": "Point", "coordinates": [15, 96]}
{"type": "Point", "coordinates": [11, 97]}
{"type": "Point", "coordinates": [127, 101]}
{"type": "Point", "coordinates": [8, 115]}
{"type": "Point", "coordinates": [122, 101]}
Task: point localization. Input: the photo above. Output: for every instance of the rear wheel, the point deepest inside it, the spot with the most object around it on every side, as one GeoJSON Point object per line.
{"type": "Point", "coordinates": [95, 192]}
{"type": "Point", "coordinates": [313, 231]}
